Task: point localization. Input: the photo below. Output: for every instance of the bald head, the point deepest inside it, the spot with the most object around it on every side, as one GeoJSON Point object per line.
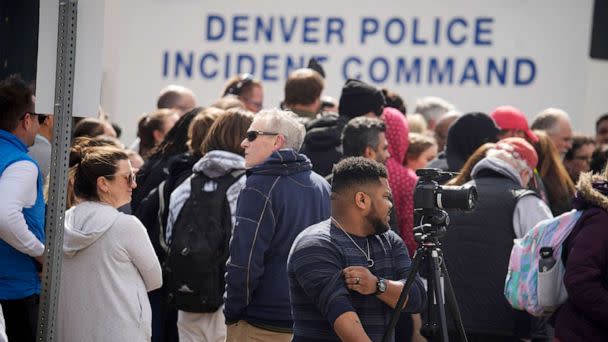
{"type": "Point", "coordinates": [176, 97]}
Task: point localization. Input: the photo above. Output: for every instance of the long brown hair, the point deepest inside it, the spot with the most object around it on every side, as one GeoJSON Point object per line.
{"type": "Point", "coordinates": [228, 131]}
{"type": "Point", "coordinates": [199, 127]}
{"type": "Point", "coordinates": [560, 188]}
{"type": "Point", "coordinates": [465, 172]}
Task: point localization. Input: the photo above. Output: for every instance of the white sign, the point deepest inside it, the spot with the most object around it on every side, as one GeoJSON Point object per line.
{"type": "Point", "coordinates": [88, 59]}
{"type": "Point", "coordinates": [476, 54]}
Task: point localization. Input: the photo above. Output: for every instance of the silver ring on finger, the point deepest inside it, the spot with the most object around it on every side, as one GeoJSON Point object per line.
{"type": "Point", "coordinates": [357, 281]}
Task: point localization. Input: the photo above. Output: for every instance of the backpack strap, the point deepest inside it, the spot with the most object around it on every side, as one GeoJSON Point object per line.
{"type": "Point", "coordinates": [521, 193]}
{"type": "Point", "coordinates": [160, 213]}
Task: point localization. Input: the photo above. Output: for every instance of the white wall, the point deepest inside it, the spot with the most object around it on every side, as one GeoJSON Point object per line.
{"type": "Point", "coordinates": [138, 32]}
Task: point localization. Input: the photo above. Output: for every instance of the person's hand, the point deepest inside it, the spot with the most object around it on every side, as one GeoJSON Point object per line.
{"type": "Point", "coordinates": [40, 259]}
{"type": "Point", "coordinates": [360, 279]}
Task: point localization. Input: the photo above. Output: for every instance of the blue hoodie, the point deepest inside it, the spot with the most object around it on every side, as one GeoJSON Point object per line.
{"type": "Point", "coordinates": [281, 198]}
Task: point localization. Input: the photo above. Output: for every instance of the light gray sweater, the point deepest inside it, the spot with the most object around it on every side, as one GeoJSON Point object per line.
{"type": "Point", "coordinates": [108, 267]}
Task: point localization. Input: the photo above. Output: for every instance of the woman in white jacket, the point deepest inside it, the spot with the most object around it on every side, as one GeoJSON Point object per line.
{"type": "Point", "coordinates": [109, 264]}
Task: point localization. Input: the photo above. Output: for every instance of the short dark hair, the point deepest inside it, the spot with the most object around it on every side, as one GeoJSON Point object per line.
{"type": "Point", "coordinates": [578, 141]}
{"type": "Point", "coordinates": [15, 100]}
{"type": "Point", "coordinates": [360, 133]}
{"type": "Point", "coordinates": [599, 120]}
{"type": "Point", "coordinates": [304, 86]}
{"type": "Point", "coordinates": [356, 171]}
{"type": "Point", "coordinates": [393, 100]}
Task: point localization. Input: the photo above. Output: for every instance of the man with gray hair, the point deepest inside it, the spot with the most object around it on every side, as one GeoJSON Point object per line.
{"type": "Point", "coordinates": [282, 196]}
{"type": "Point", "coordinates": [432, 108]}
{"type": "Point", "coordinates": [556, 123]}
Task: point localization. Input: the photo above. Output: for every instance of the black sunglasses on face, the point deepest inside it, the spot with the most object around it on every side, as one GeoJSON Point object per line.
{"type": "Point", "coordinates": [252, 135]}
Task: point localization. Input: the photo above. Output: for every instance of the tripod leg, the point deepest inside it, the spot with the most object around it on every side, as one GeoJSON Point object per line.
{"type": "Point", "coordinates": [388, 334]}
{"type": "Point", "coordinates": [452, 303]}
{"type": "Point", "coordinates": [443, 326]}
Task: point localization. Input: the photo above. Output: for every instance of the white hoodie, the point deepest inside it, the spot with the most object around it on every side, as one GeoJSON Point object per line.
{"type": "Point", "coordinates": [108, 267]}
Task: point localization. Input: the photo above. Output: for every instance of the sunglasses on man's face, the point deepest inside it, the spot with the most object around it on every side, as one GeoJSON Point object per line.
{"type": "Point", "coordinates": [252, 135]}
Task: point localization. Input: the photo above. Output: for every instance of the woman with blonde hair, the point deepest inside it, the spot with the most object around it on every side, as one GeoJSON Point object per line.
{"type": "Point", "coordinates": [109, 264]}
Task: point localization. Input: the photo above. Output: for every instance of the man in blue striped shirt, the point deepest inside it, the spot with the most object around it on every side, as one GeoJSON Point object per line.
{"type": "Point", "coordinates": [346, 273]}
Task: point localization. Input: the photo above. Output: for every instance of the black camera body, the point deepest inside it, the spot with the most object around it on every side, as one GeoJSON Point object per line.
{"type": "Point", "coordinates": [430, 194]}
{"type": "Point", "coordinates": [431, 199]}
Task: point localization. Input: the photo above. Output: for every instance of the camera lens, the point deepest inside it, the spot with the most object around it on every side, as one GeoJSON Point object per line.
{"type": "Point", "coordinates": [457, 197]}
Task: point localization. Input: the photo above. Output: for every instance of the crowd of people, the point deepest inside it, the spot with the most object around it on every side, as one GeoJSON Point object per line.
{"type": "Point", "coordinates": [244, 222]}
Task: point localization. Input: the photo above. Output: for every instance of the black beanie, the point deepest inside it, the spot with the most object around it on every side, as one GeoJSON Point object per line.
{"type": "Point", "coordinates": [466, 134]}
{"type": "Point", "coordinates": [359, 98]}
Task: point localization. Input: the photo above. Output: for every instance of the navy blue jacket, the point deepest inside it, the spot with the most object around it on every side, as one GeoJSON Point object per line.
{"type": "Point", "coordinates": [281, 198]}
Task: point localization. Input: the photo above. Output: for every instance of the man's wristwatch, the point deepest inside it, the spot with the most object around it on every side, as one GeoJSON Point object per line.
{"type": "Point", "coordinates": [380, 286]}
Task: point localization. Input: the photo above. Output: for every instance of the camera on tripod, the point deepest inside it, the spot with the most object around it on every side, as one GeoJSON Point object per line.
{"type": "Point", "coordinates": [429, 194]}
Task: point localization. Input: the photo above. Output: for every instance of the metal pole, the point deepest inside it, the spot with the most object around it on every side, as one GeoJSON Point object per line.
{"type": "Point", "coordinates": [62, 133]}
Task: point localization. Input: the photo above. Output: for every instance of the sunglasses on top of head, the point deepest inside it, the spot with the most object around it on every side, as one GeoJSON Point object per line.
{"type": "Point", "coordinates": [252, 135]}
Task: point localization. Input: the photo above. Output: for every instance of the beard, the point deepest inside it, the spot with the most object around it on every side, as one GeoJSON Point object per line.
{"type": "Point", "coordinates": [376, 222]}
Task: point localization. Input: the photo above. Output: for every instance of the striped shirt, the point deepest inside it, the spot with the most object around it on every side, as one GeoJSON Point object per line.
{"type": "Point", "coordinates": [318, 292]}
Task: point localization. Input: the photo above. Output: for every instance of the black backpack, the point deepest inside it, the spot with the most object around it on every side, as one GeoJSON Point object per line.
{"type": "Point", "coordinates": [198, 251]}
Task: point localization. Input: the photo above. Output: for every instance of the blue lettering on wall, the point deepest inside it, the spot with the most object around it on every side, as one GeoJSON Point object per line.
{"type": "Point", "coordinates": [483, 31]}
{"type": "Point", "coordinates": [181, 63]}
{"type": "Point", "coordinates": [378, 70]}
{"type": "Point", "coordinates": [239, 25]}
{"type": "Point", "coordinates": [369, 26]}
{"type": "Point", "coordinates": [394, 25]}
{"type": "Point", "coordinates": [264, 29]}
{"type": "Point", "coordinates": [215, 27]}
{"type": "Point", "coordinates": [415, 39]}
{"type": "Point", "coordinates": [470, 72]}
{"type": "Point", "coordinates": [521, 64]}
{"type": "Point", "coordinates": [440, 74]}
{"type": "Point", "coordinates": [165, 63]}
{"type": "Point", "coordinates": [242, 59]}
{"type": "Point", "coordinates": [202, 66]}
{"type": "Point", "coordinates": [269, 67]}
{"type": "Point", "coordinates": [500, 73]}
{"type": "Point", "coordinates": [335, 28]}
{"type": "Point", "coordinates": [287, 31]}
{"type": "Point", "coordinates": [450, 28]}
{"type": "Point", "coordinates": [408, 73]}
{"type": "Point", "coordinates": [346, 74]}
{"type": "Point", "coordinates": [311, 30]}
{"type": "Point", "coordinates": [227, 72]}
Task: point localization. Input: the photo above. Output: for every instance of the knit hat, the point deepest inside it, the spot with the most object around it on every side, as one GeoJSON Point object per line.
{"type": "Point", "coordinates": [465, 135]}
{"type": "Point", "coordinates": [508, 117]}
{"type": "Point", "coordinates": [360, 98]}
{"type": "Point", "coordinates": [520, 149]}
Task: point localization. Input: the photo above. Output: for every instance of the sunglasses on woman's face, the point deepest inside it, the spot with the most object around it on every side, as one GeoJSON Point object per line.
{"type": "Point", "coordinates": [130, 177]}
{"type": "Point", "coordinates": [252, 135]}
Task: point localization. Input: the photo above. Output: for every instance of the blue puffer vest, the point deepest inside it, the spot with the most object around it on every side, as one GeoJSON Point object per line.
{"type": "Point", "coordinates": [18, 274]}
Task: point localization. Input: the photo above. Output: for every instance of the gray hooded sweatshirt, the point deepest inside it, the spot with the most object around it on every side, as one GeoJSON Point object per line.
{"type": "Point", "coordinates": [529, 210]}
{"type": "Point", "coordinates": [108, 267]}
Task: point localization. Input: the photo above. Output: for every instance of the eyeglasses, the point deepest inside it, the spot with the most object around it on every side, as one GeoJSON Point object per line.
{"type": "Point", "coordinates": [130, 177]}
{"type": "Point", "coordinates": [252, 135]}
